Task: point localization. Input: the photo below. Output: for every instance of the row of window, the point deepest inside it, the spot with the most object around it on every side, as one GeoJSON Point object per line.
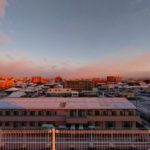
{"type": "Point", "coordinates": [23, 124]}
{"type": "Point", "coordinates": [73, 113]}
{"type": "Point", "coordinates": [27, 113]}
{"type": "Point", "coordinates": [109, 124]}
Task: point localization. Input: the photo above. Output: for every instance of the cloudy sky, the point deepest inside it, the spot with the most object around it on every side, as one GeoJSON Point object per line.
{"type": "Point", "coordinates": [74, 38]}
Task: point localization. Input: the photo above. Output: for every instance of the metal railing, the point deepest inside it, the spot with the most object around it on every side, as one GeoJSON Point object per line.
{"type": "Point", "coordinates": [74, 139]}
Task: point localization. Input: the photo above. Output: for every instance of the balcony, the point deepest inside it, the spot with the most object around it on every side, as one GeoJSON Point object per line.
{"type": "Point", "coordinates": [32, 118]}
{"type": "Point", "coordinates": [74, 120]}
{"type": "Point", "coordinates": [113, 118]}
{"type": "Point", "coordinates": [85, 120]}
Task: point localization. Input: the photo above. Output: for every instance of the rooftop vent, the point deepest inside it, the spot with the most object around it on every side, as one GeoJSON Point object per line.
{"type": "Point", "coordinates": [62, 104]}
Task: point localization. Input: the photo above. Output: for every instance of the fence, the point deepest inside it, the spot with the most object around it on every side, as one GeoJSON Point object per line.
{"type": "Point", "coordinates": [75, 139]}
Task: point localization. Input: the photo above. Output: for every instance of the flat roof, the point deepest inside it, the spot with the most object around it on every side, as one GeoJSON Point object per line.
{"type": "Point", "coordinates": [65, 103]}
{"type": "Point", "coordinates": [143, 105]}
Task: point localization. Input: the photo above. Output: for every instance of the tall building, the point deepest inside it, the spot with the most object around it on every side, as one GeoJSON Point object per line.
{"type": "Point", "coordinates": [79, 85]}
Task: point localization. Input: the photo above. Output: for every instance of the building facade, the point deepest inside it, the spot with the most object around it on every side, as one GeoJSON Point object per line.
{"type": "Point", "coordinates": [6, 83]}
{"type": "Point", "coordinates": [61, 92]}
{"type": "Point", "coordinates": [114, 79]}
{"type": "Point", "coordinates": [102, 113]}
{"type": "Point", "coordinates": [79, 85]}
{"type": "Point", "coordinates": [39, 79]}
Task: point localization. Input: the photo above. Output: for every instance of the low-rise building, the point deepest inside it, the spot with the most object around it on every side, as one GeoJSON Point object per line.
{"type": "Point", "coordinates": [6, 83]}
{"type": "Point", "coordinates": [39, 79]}
{"type": "Point", "coordinates": [61, 92]}
{"type": "Point", "coordinates": [143, 106]}
{"type": "Point", "coordinates": [101, 113]}
{"type": "Point", "coordinates": [114, 79]}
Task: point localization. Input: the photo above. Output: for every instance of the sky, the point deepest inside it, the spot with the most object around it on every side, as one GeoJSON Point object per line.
{"type": "Point", "coordinates": [75, 38]}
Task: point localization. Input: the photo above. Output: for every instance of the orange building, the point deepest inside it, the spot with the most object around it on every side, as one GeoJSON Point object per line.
{"type": "Point", "coordinates": [7, 83]}
{"type": "Point", "coordinates": [97, 81]}
{"type": "Point", "coordinates": [114, 79]}
{"type": "Point", "coordinates": [39, 79]}
{"type": "Point", "coordinates": [58, 79]}
{"type": "Point", "coordinates": [3, 84]}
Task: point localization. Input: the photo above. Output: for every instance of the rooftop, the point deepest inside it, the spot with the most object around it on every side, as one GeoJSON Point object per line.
{"type": "Point", "coordinates": [143, 104]}
{"type": "Point", "coordinates": [70, 103]}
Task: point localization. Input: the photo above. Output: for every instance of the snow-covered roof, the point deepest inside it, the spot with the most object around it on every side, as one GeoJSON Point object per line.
{"type": "Point", "coordinates": [70, 103]}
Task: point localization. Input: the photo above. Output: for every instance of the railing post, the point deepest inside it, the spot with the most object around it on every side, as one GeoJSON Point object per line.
{"type": "Point", "coordinates": [53, 139]}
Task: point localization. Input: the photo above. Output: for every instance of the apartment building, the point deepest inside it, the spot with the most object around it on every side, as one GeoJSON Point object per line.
{"type": "Point", "coordinates": [100, 113]}
{"type": "Point", "coordinates": [79, 85]}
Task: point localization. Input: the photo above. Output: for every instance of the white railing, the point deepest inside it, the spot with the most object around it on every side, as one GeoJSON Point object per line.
{"type": "Point", "coordinates": [74, 139]}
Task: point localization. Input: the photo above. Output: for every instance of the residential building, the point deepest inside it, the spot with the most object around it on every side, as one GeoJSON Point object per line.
{"type": "Point", "coordinates": [102, 113]}
{"type": "Point", "coordinates": [61, 92]}
{"type": "Point", "coordinates": [79, 85]}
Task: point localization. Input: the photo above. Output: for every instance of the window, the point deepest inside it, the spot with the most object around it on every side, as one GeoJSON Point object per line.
{"type": "Point", "coordinates": [97, 123]}
{"type": "Point", "coordinates": [131, 113]}
{"type": "Point", "coordinates": [110, 124]}
{"type": "Point", "coordinates": [40, 124]}
{"type": "Point", "coordinates": [24, 124]}
{"type": "Point", "coordinates": [127, 124]}
{"type": "Point", "coordinates": [48, 113]}
{"type": "Point", "coordinates": [16, 113]}
{"type": "Point", "coordinates": [90, 112]}
{"type": "Point", "coordinates": [105, 113]}
{"type": "Point", "coordinates": [32, 124]}
{"type": "Point", "coordinates": [32, 113]}
{"type": "Point", "coordinates": [81, 113]}
{"type": "Point", "coordinates": [1, 113]}
{"type": "Point", "coordinates": [122, 113]}
{"type": "Point", "coordinates": [24, 113]}
{"type": "Point", "coordinates": [114, 113]}
{"type": "Point", "coordinates": [41, 113]}
{"type": "Point", "coordinates": [7, 113]}
{"type": "Point", "coordinates": [72, 113]}
{"type": "Point", "coordinates": [97, 113]}
{"type": "Point", "coordinates": [7, 124]}
{"type": "Point", "coordinates": [16, 124]}
{"type": "Point", "coordinates": [90, 123]}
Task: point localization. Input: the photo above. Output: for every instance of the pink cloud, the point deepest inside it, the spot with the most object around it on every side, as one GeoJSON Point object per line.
{"type": "Point", "coordinates": [139, 63]}
{"type": "Point", "coordinates": [106, 67]}
{"type": "Point", "coordinates": [111, 66]}
{"type": "Point", "coordinates": [18, 68]}
{"type": "Point", "coordinates": [3, 4]}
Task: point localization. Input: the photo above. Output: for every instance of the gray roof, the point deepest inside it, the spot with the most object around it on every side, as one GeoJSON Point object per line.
{"type": "Point", "coordinates": [65, 103]}
{"type": "Point", "coordinates": [143, 104]}
{"type": "Point", "coordinates": [17, 94]}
